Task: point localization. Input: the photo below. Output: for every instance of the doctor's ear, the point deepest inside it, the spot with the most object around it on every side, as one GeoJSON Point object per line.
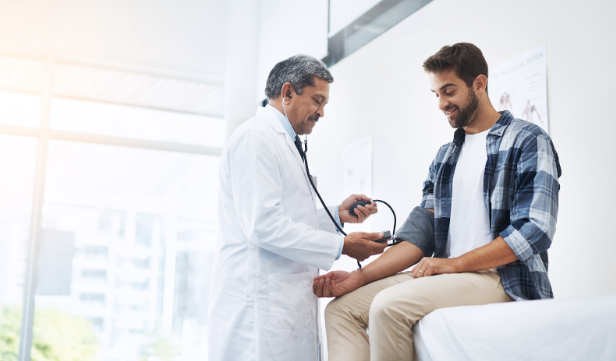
{"type": "Point", "coordinates": [287, 92]}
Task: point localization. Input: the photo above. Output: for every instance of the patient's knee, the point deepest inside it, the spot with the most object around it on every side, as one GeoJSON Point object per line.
{"type": "Point", "coordinates": [349, 307]}
{"type": "Point", "coordinates": [381, 306]}
{"type": "Point", "coordinates": [393, 305]}
{"type": "Point", "coordinates": [335, 309]}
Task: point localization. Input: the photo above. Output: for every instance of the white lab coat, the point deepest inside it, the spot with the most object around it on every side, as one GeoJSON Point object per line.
{"type": "Point", "coordinates": [271, 245]}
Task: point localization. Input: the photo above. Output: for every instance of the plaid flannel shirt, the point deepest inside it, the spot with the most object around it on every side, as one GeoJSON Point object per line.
{"type": "Point", "coordinates": [520, 190]}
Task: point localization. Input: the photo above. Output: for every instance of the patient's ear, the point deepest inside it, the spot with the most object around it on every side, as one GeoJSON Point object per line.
{"type": "Point", "coordinates": [480, 84]}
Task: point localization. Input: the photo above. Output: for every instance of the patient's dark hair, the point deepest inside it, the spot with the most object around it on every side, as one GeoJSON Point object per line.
{"type": "Point", "coordinates": [465, 58]}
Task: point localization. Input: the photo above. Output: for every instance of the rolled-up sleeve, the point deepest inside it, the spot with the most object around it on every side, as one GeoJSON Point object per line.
{"type": "Point", "coordinates": [535, 202]}
{"type": "Point", "coordinates": [427, 199]}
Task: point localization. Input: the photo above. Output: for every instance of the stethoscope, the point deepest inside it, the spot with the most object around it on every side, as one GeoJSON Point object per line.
{"type": "Point", "coordinates": [302, 153]}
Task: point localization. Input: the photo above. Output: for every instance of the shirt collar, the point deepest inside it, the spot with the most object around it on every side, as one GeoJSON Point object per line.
{"type": "Point", "coordinates": [284, 121]}
{"type": "Point", "coordinates": [501, 125]}
{"type": "Point", "coordinates": [497, 129]}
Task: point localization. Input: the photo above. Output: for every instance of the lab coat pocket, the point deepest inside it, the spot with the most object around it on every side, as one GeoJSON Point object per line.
{"type": "Point", "coordinates": [290, 301]}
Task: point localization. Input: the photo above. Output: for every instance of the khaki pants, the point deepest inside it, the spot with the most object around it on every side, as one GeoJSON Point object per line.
{"type": "Point", "coordinates": [391, 306]}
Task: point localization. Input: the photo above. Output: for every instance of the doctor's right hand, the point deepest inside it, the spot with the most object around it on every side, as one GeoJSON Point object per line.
{"type": "Point", "coordinates": [360, 245]}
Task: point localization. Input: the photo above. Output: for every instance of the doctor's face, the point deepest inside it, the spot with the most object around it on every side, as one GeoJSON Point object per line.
{"type": "Point", "coordinates": [305, 110]}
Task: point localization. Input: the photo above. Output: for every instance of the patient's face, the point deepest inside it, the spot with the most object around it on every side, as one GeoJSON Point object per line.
{"type": "Point", "coordinates": [456, 100]}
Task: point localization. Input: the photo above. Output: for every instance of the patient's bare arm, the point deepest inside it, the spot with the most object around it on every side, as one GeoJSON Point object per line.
{"type": "Point", "coordinates": [493, 254]}
{"type": "Point", "coordinates": [395, 259]}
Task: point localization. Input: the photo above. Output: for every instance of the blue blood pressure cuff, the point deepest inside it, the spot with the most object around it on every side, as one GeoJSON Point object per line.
{"type": "Point", "coordinates": [418, 229]}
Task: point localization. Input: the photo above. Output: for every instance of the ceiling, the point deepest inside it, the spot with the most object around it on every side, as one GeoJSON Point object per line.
{"type": "Point", "coordinates": [175, 37]}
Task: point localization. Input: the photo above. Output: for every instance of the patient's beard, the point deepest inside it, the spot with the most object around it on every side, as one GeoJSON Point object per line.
{"type": "Point", "coordinates": [464, 115]}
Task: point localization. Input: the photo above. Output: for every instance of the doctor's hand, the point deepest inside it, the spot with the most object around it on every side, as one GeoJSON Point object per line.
{"type": "Point", "coordinates": [359, 245]}
{"type": "Point", "coordinates": [337, 283]}
{"type": "Point", "coordinates": [361, 211]}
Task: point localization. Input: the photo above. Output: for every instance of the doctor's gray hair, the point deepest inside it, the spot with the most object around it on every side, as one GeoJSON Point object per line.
{"type": "Point", "coordinates": [299, 70]}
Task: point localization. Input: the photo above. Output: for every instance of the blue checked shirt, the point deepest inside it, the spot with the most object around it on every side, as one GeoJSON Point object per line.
{"type": "Point", "coordinates": [520, 191]}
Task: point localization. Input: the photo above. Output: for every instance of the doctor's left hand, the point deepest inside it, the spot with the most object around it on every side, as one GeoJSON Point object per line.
{"type": "Point", "coordinates": [361, 211]}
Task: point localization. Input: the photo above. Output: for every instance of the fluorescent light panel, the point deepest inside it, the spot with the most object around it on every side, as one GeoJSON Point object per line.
{"type": "Point", "coordinates": [144, 90]}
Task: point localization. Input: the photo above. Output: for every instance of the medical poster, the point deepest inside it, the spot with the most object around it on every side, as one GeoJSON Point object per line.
{"type": "Point", "coordinates": [520, 86]}
{"type": "Point", "coordinates": [357, 164]}
{"type": "Point", "coordinates": [357, 179]}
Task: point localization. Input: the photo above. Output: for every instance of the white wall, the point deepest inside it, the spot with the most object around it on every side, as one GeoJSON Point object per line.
{"type": "Point", "coordinates": [287, 28]}
{"type": "Point", "coordinates": [241, 62]}
{"type": "Point", "coordinates": [382, 91]}
{"type": "Point", "coordinates": [259, 35]}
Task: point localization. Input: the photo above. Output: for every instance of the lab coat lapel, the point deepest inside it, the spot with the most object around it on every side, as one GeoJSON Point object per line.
{"type": "Point", "coordinates": [291, 145]}
{"type": "Point", "coordinates": [275, 123]}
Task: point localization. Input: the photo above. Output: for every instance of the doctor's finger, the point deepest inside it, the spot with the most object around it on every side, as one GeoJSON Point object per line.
{"type": "Point", "coordinates": [369, 210]}
{"type": "Point", "coordinates": [361, 217]}
{"type": "Point", "coordinates": [379, 247]}
{"type": "Point", "coordinates": [364, 211]}
{"type": "Point", "coordinates": [372, 208]}
{"type": "Point", "coordinates": [373, 236]}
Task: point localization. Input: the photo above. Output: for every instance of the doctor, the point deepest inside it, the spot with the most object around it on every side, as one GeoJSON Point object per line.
{"type": "Point", "coordinates": [273, 240]}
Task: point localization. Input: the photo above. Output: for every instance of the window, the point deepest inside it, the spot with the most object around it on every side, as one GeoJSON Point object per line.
{"type": "Point", "coordinates": [17, 159]}
{"type": "Point", "coordinates": [92, 297]}
{"type": "Point", "coordinates": [20, 109]}
{"type": "Point", "coordinates": [111, 222]}
{"type": "Point", "coordinates": [94, 275]}
{"type": "Point", "coordinates": [135, 122]}
{"type": "Point", "coordinates": [127, 232]}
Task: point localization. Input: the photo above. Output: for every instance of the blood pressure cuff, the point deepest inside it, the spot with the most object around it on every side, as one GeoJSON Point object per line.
{"type": "Point", "coordinates": [418, 229]}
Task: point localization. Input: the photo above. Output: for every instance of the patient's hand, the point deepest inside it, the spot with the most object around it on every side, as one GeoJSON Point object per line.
{"type": "Point", "coordinates": [429, 266]}
{"type": "Point", "coordinates": [337, 283]}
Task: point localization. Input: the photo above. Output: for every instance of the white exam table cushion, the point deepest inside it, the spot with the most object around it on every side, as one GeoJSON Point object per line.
{"type": "Point", "coordinates": [576, 329]}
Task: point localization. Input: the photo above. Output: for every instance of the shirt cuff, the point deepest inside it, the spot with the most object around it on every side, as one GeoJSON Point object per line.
{"type": "Point", "coordinates": [518, 244]}
{"type": "Point", "coordinates": [427, 201]}
{"type": "Point", "coordinates": [337, 217]}
{"type": "Point", "coordinates": [340, 249]}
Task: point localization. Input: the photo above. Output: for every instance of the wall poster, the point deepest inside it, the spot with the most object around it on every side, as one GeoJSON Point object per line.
{"type": "Point", "coordinates": [520, 86]}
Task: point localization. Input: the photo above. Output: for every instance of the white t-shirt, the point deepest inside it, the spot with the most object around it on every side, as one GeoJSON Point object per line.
{"type": "Point", "coordinates": [469, 225]}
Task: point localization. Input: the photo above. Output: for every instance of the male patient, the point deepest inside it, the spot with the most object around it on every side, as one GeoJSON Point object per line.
{"type": "Point", "coordinates": [493, 196]}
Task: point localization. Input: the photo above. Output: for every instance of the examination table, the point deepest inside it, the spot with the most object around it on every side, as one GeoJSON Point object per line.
{"type": "Point", "coordinates": [576, 329]}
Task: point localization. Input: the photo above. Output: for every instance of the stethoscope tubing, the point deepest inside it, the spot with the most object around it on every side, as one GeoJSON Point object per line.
{"type": "Point", "coordinates": [305, 158]}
